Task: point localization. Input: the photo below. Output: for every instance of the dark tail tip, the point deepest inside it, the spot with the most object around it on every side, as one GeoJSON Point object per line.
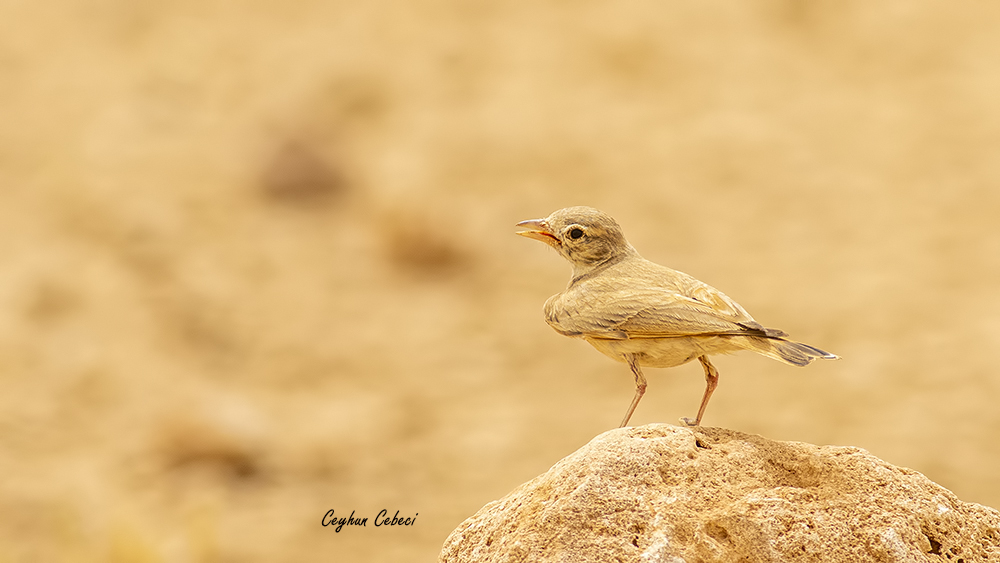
{"type": "Point", "coordinates": [801, 354]}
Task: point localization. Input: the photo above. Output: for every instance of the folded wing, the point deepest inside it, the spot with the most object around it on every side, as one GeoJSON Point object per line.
{"type": "Point", "coordinates": [638, 311]}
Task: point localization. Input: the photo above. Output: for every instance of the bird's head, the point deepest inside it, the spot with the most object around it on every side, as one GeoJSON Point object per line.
{"type": "Point", "coordinates": [583, 235]}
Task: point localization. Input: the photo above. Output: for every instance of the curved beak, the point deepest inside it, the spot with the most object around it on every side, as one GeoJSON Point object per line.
{"type": "Point", "coordinates": [539, 231]}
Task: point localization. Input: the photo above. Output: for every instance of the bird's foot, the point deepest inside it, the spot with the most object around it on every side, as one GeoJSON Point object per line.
{"type": "Point", "coordinates": [689, 422]}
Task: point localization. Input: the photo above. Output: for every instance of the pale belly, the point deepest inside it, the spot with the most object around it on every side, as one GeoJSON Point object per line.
{"type": "Point", "coordinates": [666, 352]}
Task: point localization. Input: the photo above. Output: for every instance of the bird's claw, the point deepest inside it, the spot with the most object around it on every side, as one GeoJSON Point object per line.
{"type": "Point", "coordinates": [688, 422]}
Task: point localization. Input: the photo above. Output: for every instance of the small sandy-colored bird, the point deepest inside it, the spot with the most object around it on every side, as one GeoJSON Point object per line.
{"type": "Point", "coordinates": [644, 314]}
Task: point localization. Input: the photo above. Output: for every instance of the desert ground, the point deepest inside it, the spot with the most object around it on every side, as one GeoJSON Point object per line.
{"type": "Point", "coordinates": [258, 262]}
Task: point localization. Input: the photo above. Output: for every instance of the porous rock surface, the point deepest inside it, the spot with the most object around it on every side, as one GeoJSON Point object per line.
{"type": "Point", "coordinates": [662, 493]}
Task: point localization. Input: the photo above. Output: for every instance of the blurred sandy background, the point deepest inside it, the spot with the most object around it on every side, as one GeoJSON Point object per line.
{"type": "Point", "coordinates": [257, 259]}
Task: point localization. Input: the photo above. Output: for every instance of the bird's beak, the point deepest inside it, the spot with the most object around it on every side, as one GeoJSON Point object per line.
{"type": "Point", "coordinates": [540, 231]}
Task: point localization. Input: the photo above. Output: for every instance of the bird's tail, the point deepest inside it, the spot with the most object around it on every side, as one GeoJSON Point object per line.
{"type": "Point", "coordinates": [788, 351]}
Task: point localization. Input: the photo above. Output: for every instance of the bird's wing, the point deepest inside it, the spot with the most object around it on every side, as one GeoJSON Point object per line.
{"type": "Point", "coordinates": [648, 312]}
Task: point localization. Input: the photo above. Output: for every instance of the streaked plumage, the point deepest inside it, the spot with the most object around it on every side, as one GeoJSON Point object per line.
{"type": "Point", "coordinates": [644, 314]}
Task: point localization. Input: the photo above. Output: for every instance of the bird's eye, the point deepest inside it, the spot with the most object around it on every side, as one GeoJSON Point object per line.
{"type": "Point", "coordinates": [576, 233]}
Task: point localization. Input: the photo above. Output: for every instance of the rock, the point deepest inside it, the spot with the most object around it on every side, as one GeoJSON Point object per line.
{"type": "Point", "coordinates": [661, 493]}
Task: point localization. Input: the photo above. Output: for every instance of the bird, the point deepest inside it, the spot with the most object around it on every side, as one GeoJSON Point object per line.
{"type": "Point", "coordinates": [644, 314]}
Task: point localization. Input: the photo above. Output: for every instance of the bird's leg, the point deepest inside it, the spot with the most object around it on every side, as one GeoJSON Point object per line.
{"type": "Point", "coordinates": [711, 382]}
{"type": "Point", "coordinates": [640, 386]}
